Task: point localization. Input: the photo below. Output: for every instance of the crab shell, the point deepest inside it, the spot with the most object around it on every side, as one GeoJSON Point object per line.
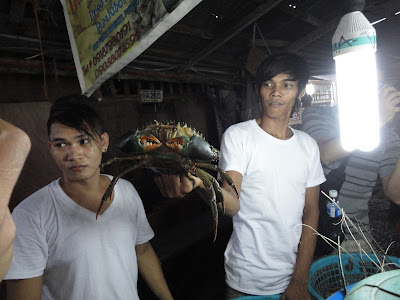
{"type": "Point", "coordinates": [164, 138]}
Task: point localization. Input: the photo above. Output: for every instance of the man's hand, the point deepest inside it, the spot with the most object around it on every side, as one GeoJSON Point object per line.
{"type": "Point", "coordinates": [176, 186]}
{"type": "Point", "coordinates": [296, 290]}
{"type": "Point", "coordinates": [389, 104]}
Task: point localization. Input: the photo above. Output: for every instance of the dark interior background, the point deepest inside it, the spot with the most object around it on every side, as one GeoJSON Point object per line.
{"type": "Point", "coordinates": [204, 66]}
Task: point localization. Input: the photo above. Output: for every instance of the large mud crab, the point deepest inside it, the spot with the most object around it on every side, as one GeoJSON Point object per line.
{"type": "Point", "coordinates": [171, 148]}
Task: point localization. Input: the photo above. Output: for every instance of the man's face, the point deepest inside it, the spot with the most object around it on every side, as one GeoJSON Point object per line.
{"type": "Point", "coordinates": [75, 153]}
{"type": "Point", "coordinates": [278, 95]}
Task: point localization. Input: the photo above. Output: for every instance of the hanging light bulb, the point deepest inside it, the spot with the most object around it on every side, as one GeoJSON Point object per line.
{"type": "Point", "coordinates": [354, 47]}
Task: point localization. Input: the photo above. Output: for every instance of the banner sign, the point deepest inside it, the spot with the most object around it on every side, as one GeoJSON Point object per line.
{"type": "Point", "coordinates": [106, 35]}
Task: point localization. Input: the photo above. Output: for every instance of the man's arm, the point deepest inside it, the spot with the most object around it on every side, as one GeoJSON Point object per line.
{"type": "Point", "coordinates": [178, 186]}
{"type": "Point", "coordinates": [25, 289]}
{"type": "Point", "coordinates": [297, 288]}
{"type": "Point", "coordinates": [390, 107]}
{"type": "Point", "coordinates": [320, 123]}
{"type": "Point", "coordinates": [331, 150]}
{"type": "Point", "coordinates": [231, 200]}
{"type": "Point", "coordinates": [14, 148]}
{"type": "Point", "coordinates": [150, 269]}
{"type": "Point", "coordinates": [391, 184]}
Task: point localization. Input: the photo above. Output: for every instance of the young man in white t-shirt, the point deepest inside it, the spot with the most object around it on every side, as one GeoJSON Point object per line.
{"type": "Point", "coordinates": [277, 171]}
{"type": "Point", "coordinates": [61, 251]}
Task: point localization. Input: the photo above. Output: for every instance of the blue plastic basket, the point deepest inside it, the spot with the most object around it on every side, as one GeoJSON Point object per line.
{"type": "Point", "coordinates": [325, 276]}
{"type": "Point", "coordinates": [269, 297]}
{"type": "Point", "coordinates": [339, 295]}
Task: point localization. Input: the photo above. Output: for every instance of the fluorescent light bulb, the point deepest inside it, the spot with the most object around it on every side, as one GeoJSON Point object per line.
{"type": "Point", "coordinates": [354, 47]}
{"type": "Point", "coordinates": [310, 89]}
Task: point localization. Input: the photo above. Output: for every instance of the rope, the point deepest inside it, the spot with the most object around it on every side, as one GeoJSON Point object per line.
{"type": "Point", "coordinates": [36, 10]}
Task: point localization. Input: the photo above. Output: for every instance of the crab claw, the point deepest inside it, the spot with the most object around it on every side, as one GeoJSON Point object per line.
{"type": "Point", "coordinates": [208, 183]}
{"type": "Point", "coordinates": [214, 210]}
{"type": "Point", "coordinates": [107, 194]}
{"type": "Point", "coordinates": [136, 142]}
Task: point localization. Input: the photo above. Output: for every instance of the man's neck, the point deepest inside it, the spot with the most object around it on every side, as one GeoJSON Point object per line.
{"type": "Point", "coordinates": [278, 128]}
{"type": "Point", "coordinates": [88, 194]}
{"type": "Point", "coordinates": [78, 190]}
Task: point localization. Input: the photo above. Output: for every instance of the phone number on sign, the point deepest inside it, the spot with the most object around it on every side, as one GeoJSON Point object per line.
{"type": "Point", "coordinates": [118, 43]}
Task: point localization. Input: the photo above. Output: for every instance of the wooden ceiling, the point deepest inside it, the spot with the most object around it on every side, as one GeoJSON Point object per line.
{"type": "Point", "coordinates": [213, 43]}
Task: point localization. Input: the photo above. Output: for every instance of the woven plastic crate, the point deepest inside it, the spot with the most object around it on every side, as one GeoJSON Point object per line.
{"type": "Point", "coordinates": [269, 297]}
{"type": "Point", "coordinates": [325, 276]}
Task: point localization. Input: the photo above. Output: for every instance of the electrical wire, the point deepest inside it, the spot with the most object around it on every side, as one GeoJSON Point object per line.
{"type": "Point", "coordinates": [36, 10]}
{"type": "Point", "coordinates": [217, 79]}
{"type": "Point", "coordinates": [146, 69]}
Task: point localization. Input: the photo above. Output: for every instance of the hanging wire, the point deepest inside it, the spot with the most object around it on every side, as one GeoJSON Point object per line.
{"type": "Point", "coordinates": [259, 31]}
{"type": "Point", "coordinates": [341, 267]}
{"type": "Point", "coordinates": [36, 10]}
{"type": "Point", "coordinates": [254, 33]}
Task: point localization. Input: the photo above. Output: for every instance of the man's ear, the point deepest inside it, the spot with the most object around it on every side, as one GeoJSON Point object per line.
{"type": "Point", "coordinates": [302, 93]}
{"type": "Point", "coordinates": [105, 140]}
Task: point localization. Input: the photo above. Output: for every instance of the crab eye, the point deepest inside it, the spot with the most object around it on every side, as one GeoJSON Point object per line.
{"type": "Point", "coordinates": [177, 144]}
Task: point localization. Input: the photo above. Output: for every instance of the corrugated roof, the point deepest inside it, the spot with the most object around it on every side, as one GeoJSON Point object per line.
{"type": "Point", "coordinates": [215, 38]}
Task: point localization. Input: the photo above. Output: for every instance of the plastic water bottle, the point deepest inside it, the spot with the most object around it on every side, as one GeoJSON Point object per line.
{"type": "Point", "coordinates": [332, 208]}
{"type": "Point", "coordinates": [331, 224]}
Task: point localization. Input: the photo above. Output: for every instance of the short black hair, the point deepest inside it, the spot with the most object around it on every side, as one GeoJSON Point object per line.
{"type": "Point", "coordinates": [287, 63]}
{"type": "Point", "coordinates": [76, 111]}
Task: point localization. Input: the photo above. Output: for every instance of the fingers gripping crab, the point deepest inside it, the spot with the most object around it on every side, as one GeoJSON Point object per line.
{"type": "Point", "coordinates": [171, 148]}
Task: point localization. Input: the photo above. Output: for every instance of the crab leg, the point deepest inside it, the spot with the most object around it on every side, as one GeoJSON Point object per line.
{"type": "Point", "coordinates": [223, 174]}
{"type": "Point", "coordinates": [110, 188]}
{"type": "Point", "coordinates": [205, 177]}
{"type": "Point", "coordinates": [217, 188]}
{"type": "Point", "coordinates": [114, 159]}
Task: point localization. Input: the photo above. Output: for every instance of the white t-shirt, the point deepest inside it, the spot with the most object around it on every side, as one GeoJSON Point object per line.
{"type": "Point", "coordinates": [80, 257]}
{"type": "Point", "coordinates": [262, 250]}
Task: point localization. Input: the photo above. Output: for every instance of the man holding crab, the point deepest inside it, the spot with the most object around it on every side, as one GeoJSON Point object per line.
{"type": "Point", "coordinates": [277, 172]}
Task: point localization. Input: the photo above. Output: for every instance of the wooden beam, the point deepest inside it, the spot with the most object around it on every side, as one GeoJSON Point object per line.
{"type": "Point", "coordinates": [302, 15]}
{"type": "Point", "coordinates": [243, 23]}
{"type": "Point", "coordinates": [320, 31]}
{"type": "Point", "coordinates": [184, 29]}
{"type": "Point", "coordinates": [271, 43]}
{"type": "Point", "coordinates": [176, 77]}
{"type": "Point", "coordinates": [180, 55]}
{"type": "Point", "coordinates": [34, 67]}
